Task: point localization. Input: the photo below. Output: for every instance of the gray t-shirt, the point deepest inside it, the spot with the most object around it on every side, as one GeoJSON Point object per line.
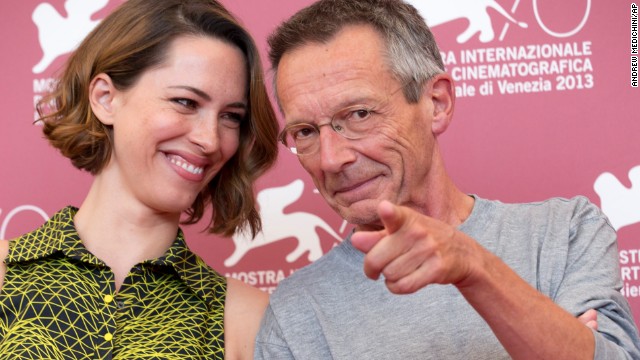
{"type": "Point", "coordinates": [565, 249]}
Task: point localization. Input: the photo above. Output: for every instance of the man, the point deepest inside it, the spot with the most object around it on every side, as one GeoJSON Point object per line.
{"type": "Point", "coordinates": [431, 272]}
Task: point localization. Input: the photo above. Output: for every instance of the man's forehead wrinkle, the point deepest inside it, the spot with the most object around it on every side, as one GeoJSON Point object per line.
{"type": "Point", "coordinates": [314, 82]}
{"type": "Point", "coordinates": [309, 107]}
{"type": "Point", "coordinates": [316, 96]}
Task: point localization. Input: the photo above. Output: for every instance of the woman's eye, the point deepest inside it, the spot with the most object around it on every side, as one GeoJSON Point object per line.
{"type": "Point", "coordinates": [232, 119]}
{"type": "Point", "coordinates": [187, 103]}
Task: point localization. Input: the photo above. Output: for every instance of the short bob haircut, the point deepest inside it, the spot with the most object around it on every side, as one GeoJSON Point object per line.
{"type": "Point", "coordinates": [132, 39]}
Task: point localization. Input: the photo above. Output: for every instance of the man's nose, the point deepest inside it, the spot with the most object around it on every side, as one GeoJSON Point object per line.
{"type": "Point", "coordinates": [335, 151]}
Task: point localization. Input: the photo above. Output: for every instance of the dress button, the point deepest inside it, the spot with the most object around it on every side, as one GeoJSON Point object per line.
{"type": "Point", "coordinates": [108, 336]}
{"type": "Point", "coordinates": [108, 299]}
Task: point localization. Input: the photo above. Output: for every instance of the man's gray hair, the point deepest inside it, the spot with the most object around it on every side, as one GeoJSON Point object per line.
{"type": "Point", "coordinates": [412, 54]}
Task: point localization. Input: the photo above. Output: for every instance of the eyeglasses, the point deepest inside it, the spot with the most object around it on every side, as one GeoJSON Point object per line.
{"type": "Point", "coordinates": [353, 123]}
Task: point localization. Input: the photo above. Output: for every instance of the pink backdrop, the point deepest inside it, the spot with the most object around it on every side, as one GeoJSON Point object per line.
{"type": "Point", "coordinates": [545, 108]}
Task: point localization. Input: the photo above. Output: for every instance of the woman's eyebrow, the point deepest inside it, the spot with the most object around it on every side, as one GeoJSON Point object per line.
{"type": "Point", "coordinates": [194, 90]}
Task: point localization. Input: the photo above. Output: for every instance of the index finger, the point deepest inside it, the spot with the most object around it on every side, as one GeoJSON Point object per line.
{"type": "Point", "coordinates": [366, 240]}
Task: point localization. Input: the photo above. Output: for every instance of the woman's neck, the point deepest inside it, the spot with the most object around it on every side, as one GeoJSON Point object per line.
{"type": "Point", "coordinates": [122, 232]}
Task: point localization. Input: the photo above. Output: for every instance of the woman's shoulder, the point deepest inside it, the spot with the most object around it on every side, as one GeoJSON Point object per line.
{"type": "Point", "coordinates": [243, 300]}
{"type": "Point", "coordinates": [244, 307]}
{"type": "Point", "coordinates": [4, 250]}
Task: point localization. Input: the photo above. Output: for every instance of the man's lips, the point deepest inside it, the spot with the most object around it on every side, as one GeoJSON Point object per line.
{"type": "Point", "coordinates": [354, 186]}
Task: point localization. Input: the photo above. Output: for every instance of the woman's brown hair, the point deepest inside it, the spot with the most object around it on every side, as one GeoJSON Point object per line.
{"type": "Point", "coordinates": [132, 39]}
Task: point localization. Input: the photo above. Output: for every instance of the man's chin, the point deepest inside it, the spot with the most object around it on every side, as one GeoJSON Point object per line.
{"type": "Point", "coordinates": [360, 213]}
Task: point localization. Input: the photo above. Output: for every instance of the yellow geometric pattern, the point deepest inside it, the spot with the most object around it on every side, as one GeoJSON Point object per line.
{"type": "Point", "coordinates": [58, 301]}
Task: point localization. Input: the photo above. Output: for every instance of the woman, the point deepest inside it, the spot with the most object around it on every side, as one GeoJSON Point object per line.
{"type": "Point", "coordinates": [164, 103]}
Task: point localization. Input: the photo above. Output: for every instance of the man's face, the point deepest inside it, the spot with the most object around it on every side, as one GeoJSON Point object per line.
{"type": "Point", "coordinates": [392, 160]}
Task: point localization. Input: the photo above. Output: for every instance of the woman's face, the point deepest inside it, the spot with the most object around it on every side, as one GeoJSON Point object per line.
{"type": "Point", "coordinates": [178, 125]}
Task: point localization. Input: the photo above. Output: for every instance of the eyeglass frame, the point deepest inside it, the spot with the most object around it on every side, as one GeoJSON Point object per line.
{"type": "Point", "coordinates": [282, 137]}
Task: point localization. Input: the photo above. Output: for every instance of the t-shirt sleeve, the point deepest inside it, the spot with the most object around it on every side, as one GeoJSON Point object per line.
{"type": "Point", "coordinates": [270, 342]}
{"type": "Point", "coordinates": [592, 281]}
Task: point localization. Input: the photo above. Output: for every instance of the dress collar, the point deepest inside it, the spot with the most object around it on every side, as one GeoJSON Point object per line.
{"type": "Point", "coordinates": [59, 235]}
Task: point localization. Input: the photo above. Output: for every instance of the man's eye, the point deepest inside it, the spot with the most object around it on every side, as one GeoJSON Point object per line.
{"type": "Point", "coordinates": [360, 114]}
{"type": "Point", "coordinates": [304, 133]}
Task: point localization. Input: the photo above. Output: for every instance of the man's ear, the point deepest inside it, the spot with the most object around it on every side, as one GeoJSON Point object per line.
{"type": "Point", "coordinates": [101, 97]}
{"type": "Point", "coordinates": [443, 96]}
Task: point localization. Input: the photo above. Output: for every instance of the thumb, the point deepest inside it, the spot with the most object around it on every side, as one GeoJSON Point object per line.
{"type": "Point", "coordinates": [392, 219]}
{"type": "Point", "coordinates": [391, 215]}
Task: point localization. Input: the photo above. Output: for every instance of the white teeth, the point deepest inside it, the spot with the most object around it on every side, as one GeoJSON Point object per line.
{"type": "Point", "coordinates": [187, 167]}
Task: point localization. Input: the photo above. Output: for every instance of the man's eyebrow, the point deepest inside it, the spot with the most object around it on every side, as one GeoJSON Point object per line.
{"type": "Point", "coordinates": [205, 96]}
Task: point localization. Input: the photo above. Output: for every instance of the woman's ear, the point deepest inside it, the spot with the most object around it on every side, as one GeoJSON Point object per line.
{"type": "Point", "coordinates": [442, 93]}
{"type": "Point", "coordinates": [101, 97]}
